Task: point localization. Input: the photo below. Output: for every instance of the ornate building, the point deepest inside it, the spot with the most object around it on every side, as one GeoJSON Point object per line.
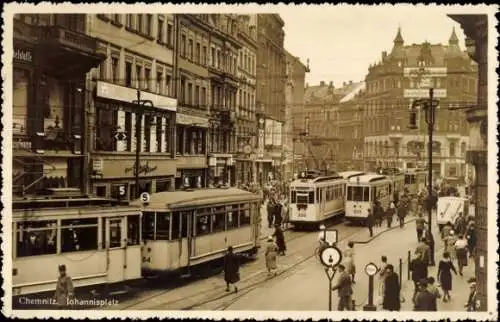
{"type": "Point", "coordinates": [52, 55]}
{"type": "Point", "coordinates": [388, 141]}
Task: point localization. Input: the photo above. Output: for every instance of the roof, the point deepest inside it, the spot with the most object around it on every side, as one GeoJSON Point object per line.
{"type": "Point", "coordinates": [349, 174]}
{"type": "Point", "coordinates": [370, 177]}
{"type": "Point", "coordinates": [321, 93]}
{"type": "Point", "coordinates": [163, 201]}
{"type": "Point", "coordinates": [355, 90]}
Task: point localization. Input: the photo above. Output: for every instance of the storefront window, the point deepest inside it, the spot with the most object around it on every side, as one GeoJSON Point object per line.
{"type": "Point", "coordinates": [20, 101]}
{"type": "Point", "coordinates": [162, 226]}
{"type": "Point", "coordinates": [36, 238]}
{"type": "Point", "coordinates": [162, 185]}
{"type": "Point", "coordinates": [133, 230]}
{"type": "Point", "coordinates": [78, 235]}
{"type": "Point", "coordinates": [106, 125]}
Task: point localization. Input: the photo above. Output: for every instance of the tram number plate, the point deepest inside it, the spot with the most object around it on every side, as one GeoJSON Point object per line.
{"type": "Point", "coordinates": [357, 211]}
{"type": "Point", "coordinates": [302, 213]}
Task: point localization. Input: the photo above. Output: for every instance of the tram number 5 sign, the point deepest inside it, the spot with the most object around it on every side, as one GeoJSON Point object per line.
{"type": "Point", "coordinates": [145, 197]}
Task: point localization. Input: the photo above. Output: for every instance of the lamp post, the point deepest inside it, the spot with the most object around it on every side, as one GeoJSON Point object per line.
{"type": "Point", "coordinates": [138, 122]}
{"type": "Point", "coordinates": [429, 105]}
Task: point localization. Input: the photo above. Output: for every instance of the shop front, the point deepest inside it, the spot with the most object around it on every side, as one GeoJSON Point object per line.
{"type": "Point", "coordinates": [114, 177]}
{"type": "Point", "coordinates": [221, 170]}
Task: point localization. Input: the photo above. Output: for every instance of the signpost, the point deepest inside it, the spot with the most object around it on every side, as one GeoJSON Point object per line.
{"type": "Point", "coordinates": [330, 257]}
{"type": "Point", "coordinates": [370, 269]}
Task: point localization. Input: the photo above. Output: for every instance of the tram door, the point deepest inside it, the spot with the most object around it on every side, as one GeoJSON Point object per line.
{"type": "Point", "coordinates": [186, 240]}
{"type": "Point", "coordinates": [116, 240]}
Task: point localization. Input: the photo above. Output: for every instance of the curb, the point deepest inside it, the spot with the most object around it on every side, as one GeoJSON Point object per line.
{"type": "Point", "coordinates": [382, 232]}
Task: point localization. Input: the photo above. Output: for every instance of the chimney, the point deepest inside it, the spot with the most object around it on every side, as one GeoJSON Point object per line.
{"type": "Point", "coordinates": [384, 55]}
{"type": "Point", "coordinates": [322, 83]}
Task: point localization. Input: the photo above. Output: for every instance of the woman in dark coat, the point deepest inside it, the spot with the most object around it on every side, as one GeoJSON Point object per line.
{"type": "Point", "coordinates": [392, 289]}
{"type": "Point", "coordinates": [444, 275]}
{"type": "Point", "coordinates": [280, 239]}
{"type": "Point", "coordinates": [231, 269]}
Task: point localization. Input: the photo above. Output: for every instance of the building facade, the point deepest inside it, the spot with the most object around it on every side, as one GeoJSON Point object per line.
{"type": "Point", "coordinates": [52, 55]}
{"type": "Point", "coordinates": [388, 141]}
{"type": "Point", "coordinates": [246, 122]}
{"type": "Point", "coordinates": [270, 95]}
{"type": "Point", "coordinates": [476, 30]}
{"type": "Point", "coordinates": [139, 65]}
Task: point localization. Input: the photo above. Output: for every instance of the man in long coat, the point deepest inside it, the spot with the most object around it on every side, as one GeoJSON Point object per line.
{"type": "Point", "coordinates": [344, 287]}
{"type": "Point", "coordinates": [231, 269]}
{"type": "Point", "coordinates": [392, 289]}
{"type": "Point", "coordinates": [280, 239]}
{"type": "Point", "coordinates": [64, 288]}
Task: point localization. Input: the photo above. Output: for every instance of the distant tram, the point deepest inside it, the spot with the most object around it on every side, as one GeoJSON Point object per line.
{"type": "Point", "coordinates": [316, 197]}
{"type": "Point", "coordinates": [415, 180]}
{"type": "Point", "coordinates": [182, 229]}
{"type": "Point", "coordinates": [362, 191]}
{"type": "Point", "coordinates": [97, 239]}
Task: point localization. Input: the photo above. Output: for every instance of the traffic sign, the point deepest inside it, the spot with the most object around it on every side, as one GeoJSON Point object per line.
{"type": "Point", "coordinates": [330, 236]}
{"type": "Point", "coordinates": [371, 269]}
{"type": "Point", "coordinates": [145, 197]}
{"type": "Point", "coordinates": [424, 93]}
{"type": "Point", "coordinates": [331, 256]}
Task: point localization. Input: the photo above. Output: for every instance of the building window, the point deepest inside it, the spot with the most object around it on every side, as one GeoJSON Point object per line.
{"type": "Point", "coordinates": [203, 96]}
{"type": "Point", "coordinates": [129, 21]}
{"type": "Point", "coordinates": [140, 23]}
{"type": "Point", "coordinates": [128, 74]}
{"type": "Point", "coordinates": [159, 80]}
{"type": "Point", "coordinates": [197, 95]}
{"type": "Point", "coordinates": [170, 34]}
{"type": "Point", "coordinates": [204, 56]}
{"type": "Point", "coordinates": [117, 18]}
{"type": "Point", "coordinates": [147, 78]}
{"type": "Point", "coordinates": [149, 25]}
{"type": "Point", "coordinates": [212, 57]}
{"type": "Point", "coordinates": [168, 80]}
{"type": "Point", "coordinates": [114, 70]}
{"type": "Point", "coordinates": [20, 99]}
{"type": "Point", "coordinates": [189, 94]}
{"type": "Point", "coordinates": [159, 132]}
{"type": "Point", "coordinates": [160, 29]}
{"type": "Point", "coordinates": [452, 149]}
{"type": "Point", "coordinates": [183, 90]}
{"type": "Point", "coordinates": [198, 53]}
{"type": "Point", "coordinates": [190, 49]}
{"type": "Point", "coordinates": [147, 133]}
{"type": "Point", "coordinates": [106, 121]}
{"type": "Point", "coordinates": [138, 70]}
{"type": "Point", "coordinates": [183, 45]}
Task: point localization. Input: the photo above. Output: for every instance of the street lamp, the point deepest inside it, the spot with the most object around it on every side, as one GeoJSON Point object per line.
{"type": "Point", "coordinates": [429, 105]}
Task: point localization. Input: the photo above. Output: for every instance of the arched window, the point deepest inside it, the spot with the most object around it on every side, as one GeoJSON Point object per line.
{"type": "Point", "coordinates": [452, 149]}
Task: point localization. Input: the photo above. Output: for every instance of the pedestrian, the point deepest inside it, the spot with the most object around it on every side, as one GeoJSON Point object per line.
{"type": "Point", "coordinates": [271, 254]}
{"type": "Point", "coordinates": [350, 267]}
{"type": "Point", "coordinates": [460, 224]}
{"type": "Point", "coordinates": [344, 288]}
{"type": "Point", "coordinates": [231, 269]}
{"type": "Point", "coordinates": [423, 299]}
{"type": "Point", "coordinates": [419, 271]}
{"type": "Point", "coordinates": [424, 251]}
{"type": "Point", "coordinates": [444, 275]}
{"type": "Point", "coordinates": [450, 244]}
{"type": "Point", "coordinates": [445, 232]}
{"type": "Point", "coordinates": [471, 240]}
{"type": "Point", "coordinates": [420, 223]}
{"type": "Point", "coordinates": [278, 208]}
{"type": "Point", "coordinates": [401, 215]}
{"type": "Point", "coordinates": [390, 214]}
{"type": "Point", "coordinates": [280, 240]}
{"type": "Point", "coordinates": [64, 288]}
{"type": "Point", "coordinates": [392, 289]}
{"type": "Point", "coordinates": [349, 252]}
{"type": "Point", "coordinates": [382, 274]}
{"type": "Point", "coordinates": [432, 288]}
{"type": "Point", "coordinates": [429, 240]}
{"type": "Point", "coordinates": [472, 304]}
{"type": "Point", "coordinates": [377, 213]}
{"type": "Point", "coordinates": [270, 212]}
{"type": "Point", "coordinates": [369, 221]}
{"type": "Point", "coordinates": [461, 251]}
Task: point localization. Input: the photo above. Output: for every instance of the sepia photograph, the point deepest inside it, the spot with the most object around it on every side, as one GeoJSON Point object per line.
{"type": "Point", "coordinates": [250, 161]}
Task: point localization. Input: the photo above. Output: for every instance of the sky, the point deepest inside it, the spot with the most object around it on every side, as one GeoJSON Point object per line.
{"type": "Point", "coordinates": [342, 41]}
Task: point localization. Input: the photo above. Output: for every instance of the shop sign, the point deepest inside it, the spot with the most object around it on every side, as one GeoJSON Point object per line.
{"type": "Point", "coordinates": [144, 169]}
{"type": "Point", "coordinates": [24, 55]}
{"type": "Point", "coordinates": [21, 145]}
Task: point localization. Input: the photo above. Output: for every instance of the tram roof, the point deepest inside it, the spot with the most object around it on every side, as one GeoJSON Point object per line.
{"type": "Point", "coordinates": [350, 174]}
{"type": "Point", "coordinates": [366, 178]}
{"type": "Point", "coordinates": [307, 181]}
{"type": "Point", "coordinates": [170, 200]}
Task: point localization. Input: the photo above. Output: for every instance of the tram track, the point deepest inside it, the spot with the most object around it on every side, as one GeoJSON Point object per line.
{"type": "Point", "coordinates": [292, 236]}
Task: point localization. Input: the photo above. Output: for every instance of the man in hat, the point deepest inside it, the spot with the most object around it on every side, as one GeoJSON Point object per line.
{"type": "Point", "coordinates": [472, 304]}
{"type": "Point", "coordinates": [424, 300]}
{"type": "Point", "coordinates": [344, 287]}
{"type": "Point", "coordinates": [64, 288]}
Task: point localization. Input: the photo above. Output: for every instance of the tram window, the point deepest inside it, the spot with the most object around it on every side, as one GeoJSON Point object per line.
{"type": "Point", "coordinates": [162, 226]}
{"type": "Point", "coordinates": [36, 238]}
{"type": "Point", "coordinates": [218, 221]}
{"type": "Point", "coordinates": [148, 225]}
{"type": "Point", "coordinates": [311, 197]}
{"type": "Point", "coordinates": [232, 217]}
{"type": "Point", "coordinates": [115, 233]}
{"type": "Point", "coordinates": [133, 236]}
{"type": "Point", "coordinates": [79, 234]}
{"type": "Point", "coordinates": [202, 225]}
{"type": "Point", "coordinates": [245, 218]}
{"type": "Point", "coordinates": [175, 225]}
{"type": "Point", "coordinates": [293, 197]}
{"type": "Point", "coordinates": [184, 223]}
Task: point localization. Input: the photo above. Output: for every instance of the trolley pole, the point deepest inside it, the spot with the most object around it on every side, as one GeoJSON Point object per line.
{"type": "Point", "coordinates": [430, 115]}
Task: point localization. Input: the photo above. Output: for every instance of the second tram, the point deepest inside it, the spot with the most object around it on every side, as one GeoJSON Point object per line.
{"type": "Point", "coordinates": [415, 180]}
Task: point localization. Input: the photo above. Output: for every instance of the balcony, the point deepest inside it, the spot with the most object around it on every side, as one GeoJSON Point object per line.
{"type": "Point", "coordinates": [69, 51]}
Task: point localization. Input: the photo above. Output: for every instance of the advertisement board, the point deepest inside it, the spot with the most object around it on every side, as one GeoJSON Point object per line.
{"type": "Point", "coordinates": [277, 133]}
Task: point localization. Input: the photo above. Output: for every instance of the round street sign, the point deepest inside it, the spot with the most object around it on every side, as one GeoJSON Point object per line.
{"type": "Point", "coordinates": [330, 256]}
{"type": "Point", "coordinates": [371, 269]}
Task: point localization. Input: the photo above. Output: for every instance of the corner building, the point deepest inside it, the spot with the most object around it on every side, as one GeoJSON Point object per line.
{"type": "Point", "coordinates": [139, 59]}
{"type": "Point", "coordinates": [52, 55]}
{"type": "Point", "coordinates": [388, 141]}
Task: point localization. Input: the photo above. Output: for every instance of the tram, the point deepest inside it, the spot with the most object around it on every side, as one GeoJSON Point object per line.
{"type": "Point", "coordinates": [97, 239]}
{"type": "Point", "coordinates": [397, 178]}
{"type": "Point", "coordinates": [316, 197]}
{"type": "Point", "coordinates": [362, 191]}
{"type": "Point", "coordinates": [183, 229]}
{"type": "Point", "coordinates": [349, 174]}
{"type": "Point", "coordinates": [415, 180]}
